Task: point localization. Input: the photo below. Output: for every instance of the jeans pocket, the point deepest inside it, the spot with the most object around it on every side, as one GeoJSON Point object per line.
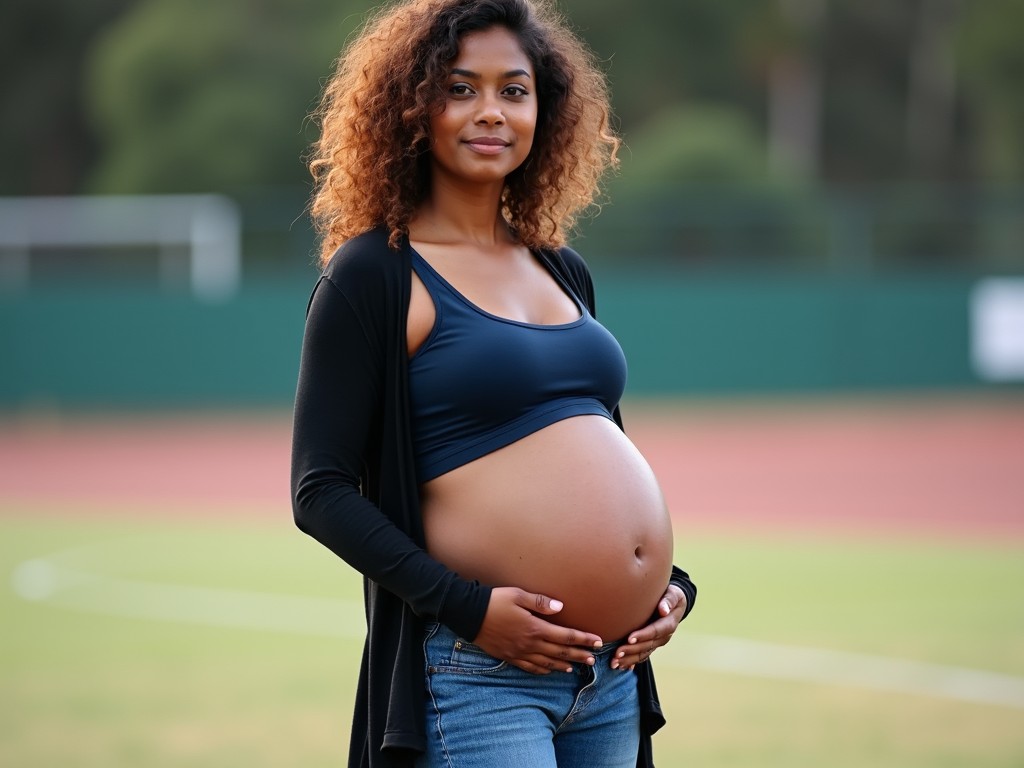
{"type": "Point", "coordinates": [448, 653]}
{"type": "Point", "coordinates": [473, 658]}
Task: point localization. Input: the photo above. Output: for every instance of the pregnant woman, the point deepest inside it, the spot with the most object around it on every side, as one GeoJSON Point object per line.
{"type": "Point", "coordinates": [457, 437]}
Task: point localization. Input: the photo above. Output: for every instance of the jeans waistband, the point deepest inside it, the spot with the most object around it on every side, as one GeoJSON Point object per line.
{"type": "Point", "coordinates": [434, 626]}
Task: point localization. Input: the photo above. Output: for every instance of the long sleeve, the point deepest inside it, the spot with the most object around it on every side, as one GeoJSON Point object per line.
{"type": "Point", "coordinates": [337, 436]}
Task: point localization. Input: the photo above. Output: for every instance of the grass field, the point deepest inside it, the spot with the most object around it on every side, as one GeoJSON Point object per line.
{"type": "Point", "coordinates": [176, 635]}
{"type": "Point", "coordinates": [213, 673]}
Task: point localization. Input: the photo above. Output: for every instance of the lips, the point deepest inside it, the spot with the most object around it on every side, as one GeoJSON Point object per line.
{"type": "Point", "coordinates": [487, 145]}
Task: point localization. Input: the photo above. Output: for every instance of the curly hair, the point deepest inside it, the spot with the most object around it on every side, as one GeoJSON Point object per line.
{"type": "Point", "coordinates": [371, 164]}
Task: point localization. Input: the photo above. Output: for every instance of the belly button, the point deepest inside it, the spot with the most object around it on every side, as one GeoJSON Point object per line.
{"type": "Point", "coordinates": [638, 553]}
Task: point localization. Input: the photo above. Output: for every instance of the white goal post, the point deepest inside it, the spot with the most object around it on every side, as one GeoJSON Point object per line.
{"type": "Point", "coordinates": [210, 226]}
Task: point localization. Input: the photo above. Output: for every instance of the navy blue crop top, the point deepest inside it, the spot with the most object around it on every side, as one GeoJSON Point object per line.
{"type": "Point", "coordinates": [480, 382]}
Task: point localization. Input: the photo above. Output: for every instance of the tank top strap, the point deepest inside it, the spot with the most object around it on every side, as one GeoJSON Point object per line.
{"type": "Point", "coordinates": [426, 273]}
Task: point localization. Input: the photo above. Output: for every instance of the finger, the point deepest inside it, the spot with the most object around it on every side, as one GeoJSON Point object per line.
{"type": "Point", "coordinates": [673, 599]}
{"type": "Point", "coordinates": [635, 651]}
{"type": "Point", "coordinates": [539, 603]}
{"type": "Point", "coordinates": [545, 652]}
{"type": "Point", "coordinates": [666, 604]}
{"type": "Point", "coordinates": [563, 657]}
{"type": "Point", "coordinates": [552, 653]}
{"type": "Point", "coordinates": [629, 655]}
{"type": "Point", "coordinates": [552, 633]}
{"type": "Point", "coordinates": [566, 654]}
{"type": "Point", "coordinates": [574, 637]}
{"type": "Point", "coordinates": [635, 656]}
{"type": "Point", "coordinates": [526, 666]}
{"type": "Point", "coordinates": [547, 663]}
{"type": "Point", "coordinates": [563, 635]}
{"type": "Point", "coordinates": [625, 661]}
{"type": "Point", "coordinates": [660, 628]}
{"type": "Point", "coordinates": [557, 638]}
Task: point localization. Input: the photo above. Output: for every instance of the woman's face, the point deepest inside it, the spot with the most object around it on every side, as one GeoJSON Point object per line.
{"type": "Point", "coordinates": [486, 129]}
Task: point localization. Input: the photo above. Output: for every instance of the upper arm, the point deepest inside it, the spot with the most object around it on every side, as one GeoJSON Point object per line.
{"type": "Point", "coordinates": [339, 388]}
{"type": "Point", "coordinates": [338, 422]}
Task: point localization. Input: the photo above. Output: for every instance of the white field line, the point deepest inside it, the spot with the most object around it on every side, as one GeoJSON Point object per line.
{"type": "Point", "coordinates": [818, 665]}
{"type": "Point", "coordinates": [44, 580]}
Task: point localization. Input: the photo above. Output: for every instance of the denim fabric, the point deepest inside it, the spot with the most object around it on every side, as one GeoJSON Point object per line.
{"type": "Point", "coordinates": [486, 713]}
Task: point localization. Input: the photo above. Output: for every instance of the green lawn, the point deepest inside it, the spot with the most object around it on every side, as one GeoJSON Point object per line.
{"type": "Point", "coordinates": [87, 681]}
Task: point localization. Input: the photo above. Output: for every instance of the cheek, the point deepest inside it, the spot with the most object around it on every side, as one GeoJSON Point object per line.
{"type": "Point", "coordinates": [438, 127]}
{"type": "Point", "coordinates": [445, 123]}
{"type": "Point", "coordinates": [531, 133]}
{"type": "Point", "coordinates": [527, 126]}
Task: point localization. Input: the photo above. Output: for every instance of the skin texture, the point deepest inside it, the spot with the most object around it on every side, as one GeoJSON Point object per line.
{"type": "Point", "coordinates": [486, 129]}
{"type": "Point", "coordinates": [590, 527]}
{"type": "Point", "coordinates": [460, 231]}
{"type": "Point", "coordinates": [374, 119]}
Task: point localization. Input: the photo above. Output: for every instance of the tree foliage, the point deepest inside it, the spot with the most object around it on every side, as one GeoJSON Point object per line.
{"type": "Point", "coordinates": [191, 95]}
{"type": "Point", "coordinates": [46, 143]}
{"type": "Point", "coordinates": [991, 51]}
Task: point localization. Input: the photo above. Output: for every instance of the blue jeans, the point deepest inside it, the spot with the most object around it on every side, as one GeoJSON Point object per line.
{"type": "Point", "coordinates": [486, 713]}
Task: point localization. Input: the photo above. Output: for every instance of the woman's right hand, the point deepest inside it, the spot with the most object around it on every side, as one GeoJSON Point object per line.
{"type": "Point", "coordinates": [513, 632]}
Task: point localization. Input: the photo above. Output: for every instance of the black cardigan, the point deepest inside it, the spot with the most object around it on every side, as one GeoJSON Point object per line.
{"type": "Point", "coordinates": [354, 488]}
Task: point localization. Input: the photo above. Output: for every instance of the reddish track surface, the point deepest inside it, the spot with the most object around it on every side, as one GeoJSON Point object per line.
{"type": "Point", "coordinates": [915, 466]}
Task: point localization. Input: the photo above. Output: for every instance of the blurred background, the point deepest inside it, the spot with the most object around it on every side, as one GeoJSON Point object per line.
{"type": "Point", "coordinates": [813, 254]}
{"type": "Point", "coordinates": [810, 194]}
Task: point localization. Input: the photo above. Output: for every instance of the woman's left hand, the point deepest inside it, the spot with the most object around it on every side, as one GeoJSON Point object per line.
{"type": "Point", "coordinates": [641, 644]}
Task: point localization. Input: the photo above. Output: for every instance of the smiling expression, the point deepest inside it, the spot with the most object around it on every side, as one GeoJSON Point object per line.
{"type": "Point", "coordinates": [486, 129]}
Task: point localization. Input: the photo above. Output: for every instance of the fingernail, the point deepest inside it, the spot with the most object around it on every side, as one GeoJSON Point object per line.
{"type": "Point", "coordinates": [620, 654]}
{"type": "Point", "coordinates": [615, 664]}
{"type": "Point", "coordinates": [568, 669]}
{"type": "Point", "coordinates": [556, 605]}
{"type": "Point", "coordinates": [590, 660]}
{"type": "Point", "coordinates": [598, 643]}
{"type": "Point", "coordinates": [632, 641]}
{"type": "Point", "coordinates": [665, 606]}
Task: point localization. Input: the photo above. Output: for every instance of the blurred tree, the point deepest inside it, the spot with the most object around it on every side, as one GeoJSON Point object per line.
{"type": "Point", "coordinates": [192, 96]}
{"type": "Point", "coordinates": [698, 143]}
{"type": "Point", "coordinates": [794, 124]}
{"type": "Point", "coordinates": [189, 95]}
{"type": "Point", "coordinates": [891, 109]}
{"type": "Point", "coordinates": [839, 90]}
{"type": "Point", "coordinates": [932, 85]}
{"type": "Point", "coordinates": [696, 188]}
{"type": "Point", "coordinates": [991, 52]}
{"type": "Point", "coordinates": [46, 144]}
{"type": "Point", "coordinates": [659, 54]}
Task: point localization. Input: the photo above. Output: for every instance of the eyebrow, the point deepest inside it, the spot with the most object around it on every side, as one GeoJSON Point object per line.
{"type": "Point", "coordinates": [477, 75]}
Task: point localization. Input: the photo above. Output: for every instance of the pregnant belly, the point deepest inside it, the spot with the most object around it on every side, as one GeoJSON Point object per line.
{"type": "Point", "coordinates": [572, 511]}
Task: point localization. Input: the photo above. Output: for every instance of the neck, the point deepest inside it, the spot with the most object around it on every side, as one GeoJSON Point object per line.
{"type": "Point", "coordinates": [461, 212]}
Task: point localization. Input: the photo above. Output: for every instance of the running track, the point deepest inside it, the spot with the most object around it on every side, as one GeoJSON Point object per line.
{"type": "Point", "coordinates": [914, 465]}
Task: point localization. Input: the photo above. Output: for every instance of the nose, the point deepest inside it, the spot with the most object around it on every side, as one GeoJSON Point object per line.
{"type": "Point", "coordinates": [490, 113]}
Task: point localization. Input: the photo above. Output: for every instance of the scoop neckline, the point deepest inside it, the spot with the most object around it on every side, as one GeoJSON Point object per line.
{"type": "Point", "coordinates": [541, 326]}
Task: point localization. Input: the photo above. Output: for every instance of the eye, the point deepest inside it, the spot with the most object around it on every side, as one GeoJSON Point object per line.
{"type": "Point", "coordinates": [460, 90]}
{"type": "Point", "coordinates": [515, 91]}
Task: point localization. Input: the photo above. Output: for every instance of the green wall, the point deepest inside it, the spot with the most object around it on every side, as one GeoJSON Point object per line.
{"type": "Point", "coordinates": [732, 334]}
{"type": "Point", "coordinates": [111, 348]}
{"type": "Point", "coordinates": [683, 333]}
